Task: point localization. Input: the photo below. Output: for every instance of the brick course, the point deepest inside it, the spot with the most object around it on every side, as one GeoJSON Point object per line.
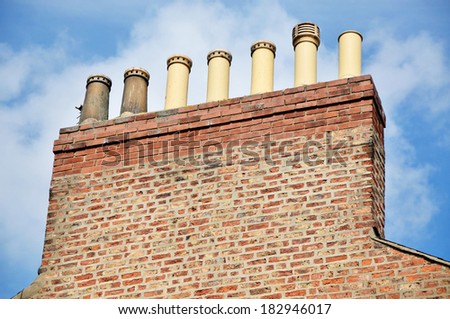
{"type": "Point", "coordinates": [275, 195]}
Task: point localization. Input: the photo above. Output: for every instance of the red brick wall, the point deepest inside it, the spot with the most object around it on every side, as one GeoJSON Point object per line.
{"type": "Point", "coordinates": [265, 196]}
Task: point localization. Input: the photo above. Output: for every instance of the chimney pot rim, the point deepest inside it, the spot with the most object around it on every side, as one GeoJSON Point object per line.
{"type": "Point", "coordinates": [219, 53]}
{"type": "Point", "coordinates": [263, 44]}
{"type": "Point", "coordinates": [136, 71]}
{"type": "Point", "coordinates": [180, 58]}
{"type": "Point", "coordinates": [99, 78]}
{"type": "Point", "coordinates": [351, 31]}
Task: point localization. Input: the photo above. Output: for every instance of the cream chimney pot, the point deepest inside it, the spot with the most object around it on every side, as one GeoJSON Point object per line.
{"type": "Point", "coordinates": [178, 69]}
{"type": "Point", "coordinates": [96, 100]}
{"type": "Point", "coordinates": [134, 99]}
{"type": "Point", "coordinates": [219, 62]}
{"type": "Point", "coordinates": [350, 54]}
{"type": "Point", "coordinates": [263, 59]}
{"type": "Point", "coordinates": [306, 40]}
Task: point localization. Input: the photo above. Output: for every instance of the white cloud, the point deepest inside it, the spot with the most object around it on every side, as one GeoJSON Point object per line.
{"type": "Point", "coordinates": [11, 65]}
{"type": "Point", "coordinates": [403, 66]}
{"type": "Point", "coordinates": [23, 71]}
{"type": "Point", "coordinates": [412, 67]}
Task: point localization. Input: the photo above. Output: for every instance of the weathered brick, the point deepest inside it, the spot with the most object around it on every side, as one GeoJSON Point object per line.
{"type": "Point", "coordinates": [250, 197]}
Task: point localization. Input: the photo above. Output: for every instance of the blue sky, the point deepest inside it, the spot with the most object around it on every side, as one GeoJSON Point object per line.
{"type": "Point", "coordinates": [49, 47]}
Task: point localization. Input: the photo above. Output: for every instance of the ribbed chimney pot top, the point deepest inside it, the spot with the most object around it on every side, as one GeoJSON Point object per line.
{"type": "Point", "coordinates": [306, 31]}
{"type": "Point", "coordinates": [263, 44]}
{"type": "Point", "coordinates": [99, 78]}
{"type": "Point", "coordinates": [136, 71]}
{"type": "Point", "coordinates": [179, 58]}
{"type": "Point", "coordinates": [219, 53]}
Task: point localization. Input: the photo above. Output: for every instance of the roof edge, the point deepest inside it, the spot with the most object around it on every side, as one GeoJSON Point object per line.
{"type": "Point", "coordinates": [411, 251]}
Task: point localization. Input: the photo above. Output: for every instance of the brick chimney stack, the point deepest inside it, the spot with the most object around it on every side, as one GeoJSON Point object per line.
{"type": "Point", "coordinates": [271, 195]}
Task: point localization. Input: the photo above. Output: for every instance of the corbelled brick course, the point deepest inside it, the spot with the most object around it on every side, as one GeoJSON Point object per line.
{"type": "Point", "coordinates": [275, 195]}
